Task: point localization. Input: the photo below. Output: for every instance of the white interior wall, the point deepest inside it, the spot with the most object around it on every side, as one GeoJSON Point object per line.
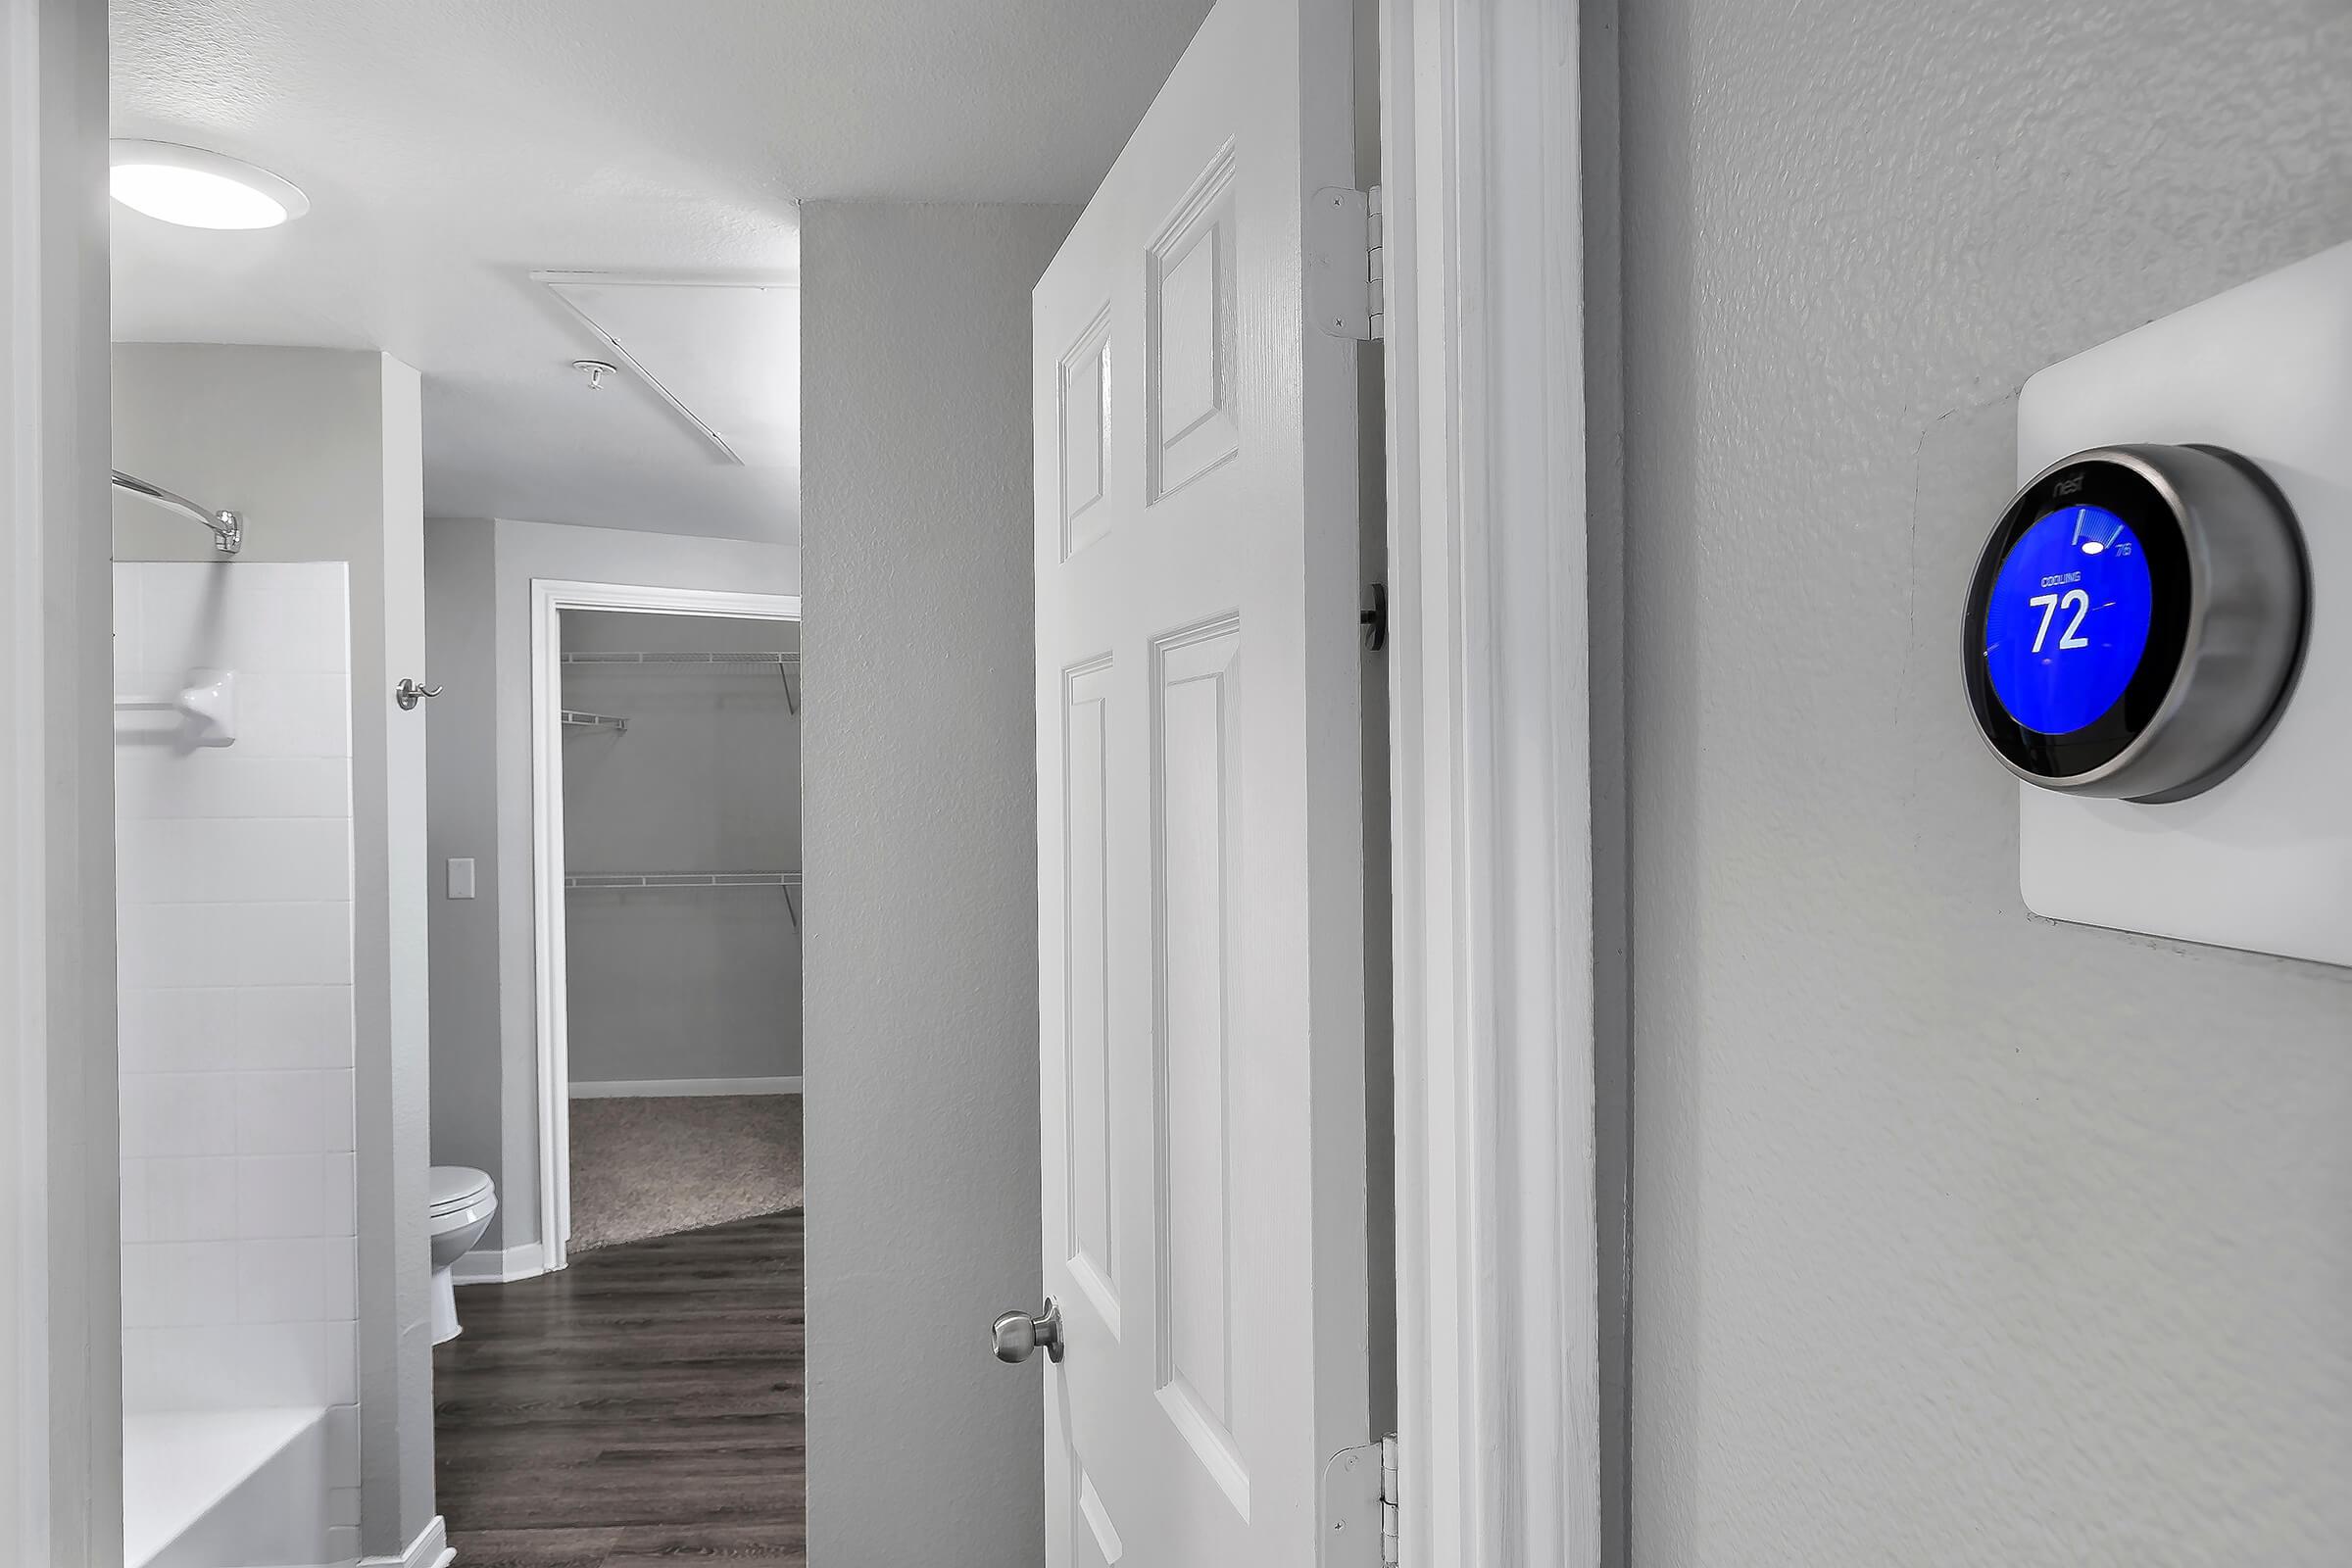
{"type": "Point", "coordinates": [679, 984]}
{"type": "Point", "coordinates": [484, 1028]}
{"type": "Point", "coordinates": [1958, 1236]}
{"type": "Point", "coordinates": [321, 451]}
{"type": "Point", "coordinates": [920, 807]}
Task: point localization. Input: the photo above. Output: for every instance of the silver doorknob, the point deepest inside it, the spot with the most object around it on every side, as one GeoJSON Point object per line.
{"type": "Point", "coordinates": [1019, 1336]}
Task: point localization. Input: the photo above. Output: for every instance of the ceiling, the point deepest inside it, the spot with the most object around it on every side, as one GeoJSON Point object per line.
{"type": "Point", "coordinates": [452, 148]}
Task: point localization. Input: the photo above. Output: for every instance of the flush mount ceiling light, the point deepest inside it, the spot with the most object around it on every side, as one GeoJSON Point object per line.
{"type": "Point", "coordinates": [200, 189]}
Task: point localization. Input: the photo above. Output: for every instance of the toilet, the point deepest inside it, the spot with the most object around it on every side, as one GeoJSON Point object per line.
{"type": "Point", "coordinates": [463, 1200]}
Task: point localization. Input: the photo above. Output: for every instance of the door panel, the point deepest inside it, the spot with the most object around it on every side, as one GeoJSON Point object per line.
{"type": "Point", "coordinates": [1085, 425]}
{"type": "Point", "coordinates": [1091, 1176]}
{"type": "Point", "coordinates": [1189, 337]}
{"type": "Point", "coordinates": [1200, 822]}
{"type": "Point", "coordinates": [1199, 843]}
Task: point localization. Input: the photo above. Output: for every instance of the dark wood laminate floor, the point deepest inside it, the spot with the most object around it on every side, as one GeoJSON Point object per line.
{"type": "Point", "coordinates": [642, 1407]}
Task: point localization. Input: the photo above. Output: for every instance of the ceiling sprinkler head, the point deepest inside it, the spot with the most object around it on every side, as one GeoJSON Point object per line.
{"type": "Point", "coordinates": [594, 370]}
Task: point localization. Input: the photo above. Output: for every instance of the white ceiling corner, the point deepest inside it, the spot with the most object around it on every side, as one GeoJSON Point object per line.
{"type": "Point", "coordinates": [452, 148]}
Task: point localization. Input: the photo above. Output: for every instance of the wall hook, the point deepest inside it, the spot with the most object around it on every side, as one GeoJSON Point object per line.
{"type": "Point", "coordinates": [408, 693]}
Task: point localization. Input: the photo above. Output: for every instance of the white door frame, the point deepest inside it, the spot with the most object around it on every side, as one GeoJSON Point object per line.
{"type": "Point", "coordinates": [61, 1262]}
{"type": "Point", "coordinates": [1501, 1432]}
{"type": "Point", "coordinates": [550, 598]}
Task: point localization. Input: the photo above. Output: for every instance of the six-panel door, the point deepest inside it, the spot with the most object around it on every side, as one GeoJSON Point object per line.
{"type": "Point", "coordinates": [1199, 827]}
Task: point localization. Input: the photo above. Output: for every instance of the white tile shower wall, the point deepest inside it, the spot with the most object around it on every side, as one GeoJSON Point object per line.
{"type": "Point", "coordinates": [235, 977]}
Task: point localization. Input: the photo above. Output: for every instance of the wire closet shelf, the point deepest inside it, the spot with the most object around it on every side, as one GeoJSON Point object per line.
{"type": "Point", "coordinates": [786, 662]}
{"type": "Point", "coordinates": [651, 881]}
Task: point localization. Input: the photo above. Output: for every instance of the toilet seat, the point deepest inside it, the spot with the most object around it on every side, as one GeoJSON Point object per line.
{"type": "Point", "coordinates": [458, 1192]}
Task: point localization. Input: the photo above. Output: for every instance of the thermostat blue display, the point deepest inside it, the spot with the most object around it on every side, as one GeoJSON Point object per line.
{"type": "Point", "coordinates": [2068, 620]}
{"type": "Point", "coordinates": [2135, 621]}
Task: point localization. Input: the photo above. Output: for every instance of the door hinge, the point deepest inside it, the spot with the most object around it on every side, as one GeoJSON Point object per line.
{"type": "Point", "coordinates": [1359, 1506]}
{"type": "Point", "coordinates": [1345, 283]}
{"type": "Point", "coordinates": [1389, 1530]}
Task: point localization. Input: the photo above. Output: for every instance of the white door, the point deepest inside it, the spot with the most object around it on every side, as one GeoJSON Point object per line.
{"type": "Point", "coordinates": [1200, 823]}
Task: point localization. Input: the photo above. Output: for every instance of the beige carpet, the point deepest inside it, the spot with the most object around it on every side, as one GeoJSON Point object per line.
{"type": "Point", "coordinates": [652, 1167]}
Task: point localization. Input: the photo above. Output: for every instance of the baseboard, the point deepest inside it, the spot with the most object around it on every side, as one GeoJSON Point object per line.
{"type": "Point", "coordinates": [486, 1265]}
{"type": "Point", "coordinates": [673, 1088]}
{"type": "Point", "coordinates": [430, 1550]}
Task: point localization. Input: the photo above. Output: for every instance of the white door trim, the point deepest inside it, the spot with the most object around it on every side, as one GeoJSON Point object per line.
{"type": "Point", "coordinates": [1492, 762]}
{"type": "Point", "coordinates": [496, 1265]}
{"type": "Point", "coordinates": [61, 1444]}
{"type": "Point", "coordinates": [550, 597]}
{"type": "Point", "coordinates": [431, 1548]}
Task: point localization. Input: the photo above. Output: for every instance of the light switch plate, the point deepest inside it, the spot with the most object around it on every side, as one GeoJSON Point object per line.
{"type": "Point", "coordinates": [2262, 861]}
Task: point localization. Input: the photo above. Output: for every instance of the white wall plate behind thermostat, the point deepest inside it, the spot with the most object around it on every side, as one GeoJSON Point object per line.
{"type": "Point", "coordinates": [2261, 859]}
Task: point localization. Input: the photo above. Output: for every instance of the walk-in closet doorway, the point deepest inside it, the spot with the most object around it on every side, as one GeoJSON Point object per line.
{"type": "Point", "coordinates": [667, 903]}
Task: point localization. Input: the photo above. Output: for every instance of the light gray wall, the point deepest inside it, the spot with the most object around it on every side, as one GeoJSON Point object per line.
{"type": "Point", "coordinates": [1959, 1237]}
{"type": "Point", "coordinates": [920, 820]}
{"type": "Point", "coordinates": [485, 1042]}
{"type": "Point", "coordinates": [682, 983]}
{"type": "Point", "coordinates": [461, 636]}
{"type": "Point", "coordinates": [321, 450]}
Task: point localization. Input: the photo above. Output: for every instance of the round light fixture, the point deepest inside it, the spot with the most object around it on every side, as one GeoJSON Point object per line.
{"type": "Point", "coordinates": [200, 189]}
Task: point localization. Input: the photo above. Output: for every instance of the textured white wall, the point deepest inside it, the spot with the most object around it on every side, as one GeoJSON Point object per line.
{"type": "Point", "coordinates": [921, 807]}
{"type": "Point", "coordinates": [1959, 1238]}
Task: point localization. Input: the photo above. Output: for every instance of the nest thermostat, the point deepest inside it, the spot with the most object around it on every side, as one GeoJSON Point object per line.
{"type": "Point", "coordinates": [2158, 633]}
{"type": "Point", "coordinates": [2135, 622]}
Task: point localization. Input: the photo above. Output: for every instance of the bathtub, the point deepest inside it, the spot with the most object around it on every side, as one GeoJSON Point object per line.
{"type": "Point", "coordinates": [228, 1489]}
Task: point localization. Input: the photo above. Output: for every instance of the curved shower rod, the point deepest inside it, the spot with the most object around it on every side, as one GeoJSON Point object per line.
{"type": "Point", "coordinates": [229, 528]}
